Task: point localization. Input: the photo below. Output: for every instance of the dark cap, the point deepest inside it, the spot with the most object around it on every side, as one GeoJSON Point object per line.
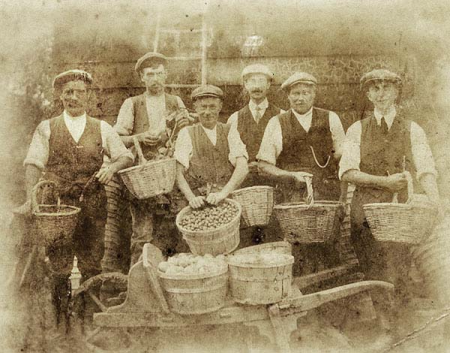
{"type": "Point", "coordinates": [148, 59]}
{"type": "Point", "coordinates": [380, 75]}
{"type": "Point", "coordinates": [72, 75]}
{"type": "Point", "coordinates": [206, 91]}
{"type": "Point", "coordinates": [298, 77]}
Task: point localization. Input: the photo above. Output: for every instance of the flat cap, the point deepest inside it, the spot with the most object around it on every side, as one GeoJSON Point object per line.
{"type": "Point", "coordinates": [257, 69]}
{"type": "Point", "coordinates": [299, 77]}
{"type": "Point", "coordinates": [148, 59]}
{"type": "Point", "coordinates": [72, 75]}
{"type": "Point", "coordinates": [207, 91]}
{"type": "Point", "coordinates": [380, 75]}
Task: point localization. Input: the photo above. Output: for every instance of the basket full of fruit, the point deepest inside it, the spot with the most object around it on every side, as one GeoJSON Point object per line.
{"type": "Point", "coordinates": [194, 284]}
{"type": "Point", "coordinates": [212, 229]}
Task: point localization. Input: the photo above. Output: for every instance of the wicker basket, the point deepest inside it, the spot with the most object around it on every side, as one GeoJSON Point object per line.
{"type": "Point", "coordinates": [149, 178]}
{"type": "Point", "coordinates": [257, 204]}
{"type": "Point", "coordinates": [53, 223]}
{"type": "Point", "coordinates": [260, 284]}
{"type": "Point", "coordinates": [195, 294]}
{"type": "Point", "coordinates": [401, 223]}
{"type": "Point", "coordinates": [222, 240]}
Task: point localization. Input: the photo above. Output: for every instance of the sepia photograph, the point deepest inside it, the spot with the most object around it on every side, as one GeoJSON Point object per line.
{"type": "Point", "coordinates": [225, 176]}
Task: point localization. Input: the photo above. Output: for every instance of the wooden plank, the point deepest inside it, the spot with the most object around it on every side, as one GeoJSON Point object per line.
{"type": "Point", "coordinates": [308, 280]}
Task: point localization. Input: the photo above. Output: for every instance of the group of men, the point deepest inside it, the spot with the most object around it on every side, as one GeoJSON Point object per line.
{"type": "Point", "coordinates": [260, 145]}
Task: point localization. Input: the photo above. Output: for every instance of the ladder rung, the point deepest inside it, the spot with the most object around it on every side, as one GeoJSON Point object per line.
{"type": "Point", "coordinates": [185, 58]}
{"type": "Point", "coordinates": [177, 31]}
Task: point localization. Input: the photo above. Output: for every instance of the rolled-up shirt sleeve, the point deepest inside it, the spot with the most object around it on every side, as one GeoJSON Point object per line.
{"type": "Point", "coordinates": [39, 148]}
{"type": "Point", "coordinates": [272, 142]}
{"type": "Point", "coordinates": [337, 134]}
{"type": "Point", "coordinates": [421, 152]}
{"type": "Point", "coordinates": [232, 120]}
{"type": "Point", "coordinates": [112, 145]}
{"type": "Point", "coordinates": [237, 147]}
{"type": "Point", "coordinates": [125, 119]}
{"type": "Point", "coordinates": [183, 148]}
{"type": "Point", "coordinates": [351, 153]}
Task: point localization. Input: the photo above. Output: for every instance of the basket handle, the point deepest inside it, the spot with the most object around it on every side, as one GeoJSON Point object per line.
{"type": "Point", "coordinates": [310, 191]}
{"type": "Point", "coordinates": [409, 188]}
{"type": "Point", "coordinates": [36, 188]}
{"type": "Point", "coordinates": [138, 148]}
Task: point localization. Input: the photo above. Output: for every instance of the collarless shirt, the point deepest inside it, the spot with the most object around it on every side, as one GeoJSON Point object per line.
{"type": "Point", "coordinates": [156, 112]}
{"type": "Point", "coordinates": [272, 142]}
{"type": "Point", "coordinates": [421, 152]}
{"type": "Point", "coordinates": [183, 145]}
{"type": "Point", "coordinates": [38, 152]}
{"type": "Point", "coordinates": [75, 125]}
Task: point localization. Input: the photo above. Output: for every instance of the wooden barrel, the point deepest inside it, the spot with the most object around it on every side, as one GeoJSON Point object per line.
{"type": "Point", "coordinates": [195, 294]}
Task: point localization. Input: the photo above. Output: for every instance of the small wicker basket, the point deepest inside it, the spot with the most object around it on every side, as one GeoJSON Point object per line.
{"type": "Point", "coordinates": [308, 222]}
{"type": "Point", "coordinates": [407, 223]}
{"type": "Point", "coordinates": [149, 178]}
{"type": "Point", "coordinates": [257, 204]}
{"type": "Point", "coordinates": [222, 240]}
{"type": "Point", "coordinates": [53, 223]}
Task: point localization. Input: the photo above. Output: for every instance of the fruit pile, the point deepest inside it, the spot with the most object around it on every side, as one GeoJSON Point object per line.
{"type": "Point", "coordinates": [182, 264]}
{"type": "Point", "coordinates": [210, 217]}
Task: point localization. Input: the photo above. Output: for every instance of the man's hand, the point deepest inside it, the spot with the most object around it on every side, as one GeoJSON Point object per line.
{"type": "Point", "coordinates": [253, 167]}
{"type": "Point", "coordinates": [215, 197]}
{"type": "Point", "coordinates": [301, 176]}
{"type": "Point", "coordinates": [182, 118]}
{"type": "Point", "coordinates": [24, 210]}
{"type": "Point", "coordinates": [395, 182]}
{"type": "Point", "coordinates": [148, 138]}
{"type": "Point", "coordinates": [197, 202]}
{"type": "Point", "coordinates": [105, 174]}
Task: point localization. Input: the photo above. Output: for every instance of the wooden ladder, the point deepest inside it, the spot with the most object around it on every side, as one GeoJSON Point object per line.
{"type": "Point", "coordinates": [176, 33]}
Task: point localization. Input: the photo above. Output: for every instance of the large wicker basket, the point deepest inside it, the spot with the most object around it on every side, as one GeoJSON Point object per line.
{"type": "Point", "coordinates": [406, 223]}
{"type": "Point", "coordinates": [195, 294]}
{"type": "Point", "coordinates": [257, 204]}
{"type": "Point", "coordinates": [308, 222]}
{"type": "Point", "coordinates": [222, 240]}
{"type": "Point", "coordinates": [149, 178]}
{"type": "Point", "coordinates": [53, 223]}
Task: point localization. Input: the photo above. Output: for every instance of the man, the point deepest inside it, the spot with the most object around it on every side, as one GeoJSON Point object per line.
{"type": "Point", "coordinates": [251, 120]}
{"type": "Point", "coordinates": [377, 151]}
{"type": "Point", "coordinates": [151, 118]}
{"type": "Point", "coordinates": [69, 151]}
{"type": "Point", "coordinates": [305, 142]}
{"type": "Point", "coordinates": [211, 158]}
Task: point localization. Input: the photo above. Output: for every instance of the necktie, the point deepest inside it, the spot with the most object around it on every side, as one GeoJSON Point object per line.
{"type": "Point", "coordinates": [258, 113]}
{"type": "Point", "coordinates": [384, 126]}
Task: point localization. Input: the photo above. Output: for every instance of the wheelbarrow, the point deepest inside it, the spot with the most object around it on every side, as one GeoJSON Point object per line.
{"type": "Point", "coordinates": [146, 307]}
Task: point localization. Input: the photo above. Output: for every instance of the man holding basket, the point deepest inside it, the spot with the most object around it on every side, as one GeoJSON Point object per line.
{"type": "Point", "coordinates": [69, 150]}
{"type": "Point", "coordinates": [382, 152]}
{"type": "Point", "coordinates": [151, 118]}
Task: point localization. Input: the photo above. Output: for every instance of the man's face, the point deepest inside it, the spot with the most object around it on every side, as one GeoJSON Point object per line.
{"type": "Point", "coordinates": [382, 94]}
{"type": "Point", "coordinates": [301, 97]}
{"type": "Point", "coordinates": [208, 109]}
{"type": "Point", "coordinates": [154, 78]}
{"type": "Point", "coordinates": [74, 97]}
{"type": "Point", "coordinates": [257, 85]}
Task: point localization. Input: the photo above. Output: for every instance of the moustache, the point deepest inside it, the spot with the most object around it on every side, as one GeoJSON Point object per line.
{"type": "Point", "coordinates": [256, 90]}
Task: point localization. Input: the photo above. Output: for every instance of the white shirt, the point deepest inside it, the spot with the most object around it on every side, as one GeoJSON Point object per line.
{"type": "Point", "coordinates": [253, 109]}
{"type": "Point", "coordinates": [272, 142]}
{"type": "Point", "coordinates": [183, 145]}
{"type": "Point", "coordinates": [156, 112]}
{"type": "Point", "coordinates": [38, 152]}
{"type": "Point", "coordinates": [421, 152]}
